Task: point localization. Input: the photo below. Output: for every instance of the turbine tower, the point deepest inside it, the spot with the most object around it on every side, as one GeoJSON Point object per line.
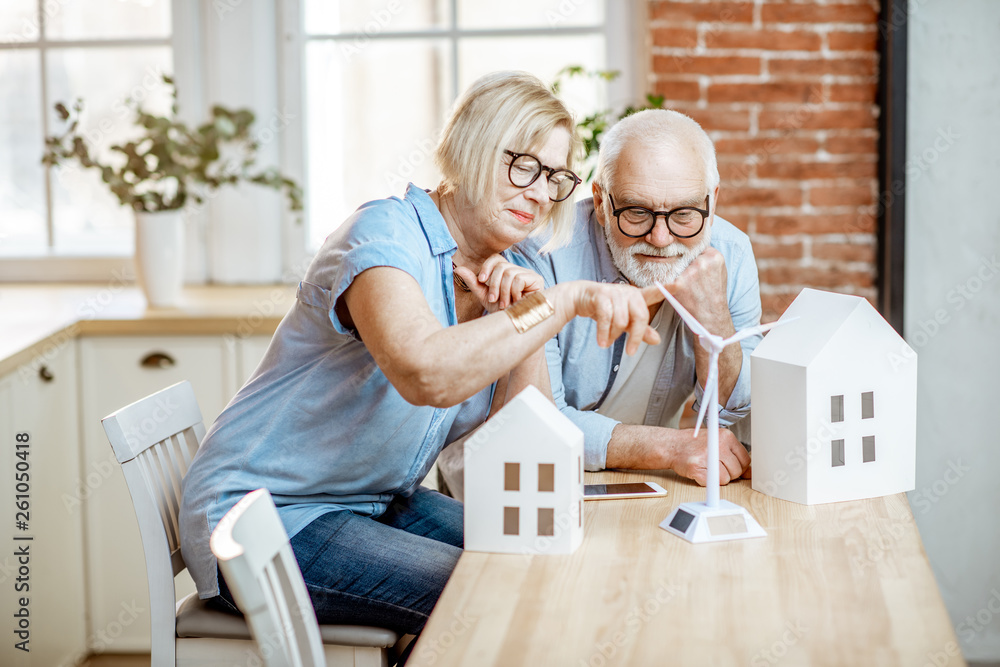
{"type": "Point", "coordinates": [713, 520]}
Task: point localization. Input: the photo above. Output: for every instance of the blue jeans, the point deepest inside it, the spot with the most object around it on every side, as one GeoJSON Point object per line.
{"type": "Point", "coordinates": [386, 572]}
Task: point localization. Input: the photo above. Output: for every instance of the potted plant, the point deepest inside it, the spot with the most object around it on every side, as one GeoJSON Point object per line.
{"type": "Point", "coordinates": [164, 169]}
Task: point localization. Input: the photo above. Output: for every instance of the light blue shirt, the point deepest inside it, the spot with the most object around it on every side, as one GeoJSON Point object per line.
{"type": "Point", "coordinates": [582, 373]}
{"type": "Point", "coordinates": [318, 424]}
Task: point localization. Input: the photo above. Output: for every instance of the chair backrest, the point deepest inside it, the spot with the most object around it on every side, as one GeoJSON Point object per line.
{"type": "Point", "coordinates": [256, 559]}
{"type": "Point", "coordinates": [154, 440]}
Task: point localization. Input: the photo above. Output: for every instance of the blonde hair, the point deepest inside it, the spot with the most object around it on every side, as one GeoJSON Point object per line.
{"type": "Point", "coordinates": [664, 128]}
{"type": "Point", "coordinates": [503, 111]}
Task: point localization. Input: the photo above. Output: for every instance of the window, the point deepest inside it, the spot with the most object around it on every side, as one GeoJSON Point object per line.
{"type": "Point", "coordinates": [381, 75]}
{"type": "Point", "coordinates": [511, 476]}
{"type": "Point", "coordinates": [511, 520]}
{"type": "Point", "coordinates": [868, 448]}
{"type": "Point", "coordinates": [546, 522]}
{"type": "Point", "coordinates": [837, 408]}
{"type": "Point", "coordinates": [837, 456]}
{"type": "Point", "coordinates": [868, 405]}
{"type": "Point", "coordinates": [546, 477]}
{"type": "Point", "coordinates": [56, 52]}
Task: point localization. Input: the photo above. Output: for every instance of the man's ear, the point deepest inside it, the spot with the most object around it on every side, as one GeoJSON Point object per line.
{"type": "Point", "coordinates": [715, 202]}
{"type": "Point", "coordinates": [598, 202]}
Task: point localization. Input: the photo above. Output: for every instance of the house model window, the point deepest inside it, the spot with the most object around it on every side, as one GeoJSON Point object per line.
{"type": "Point", "coordinates": [512, 478]}
{"type": "Point", "coordinates": [546, 477]}
{"type": "Point", "coordinates": [511, 520]}
{"type": "Point", "coordinates": [867, 442]}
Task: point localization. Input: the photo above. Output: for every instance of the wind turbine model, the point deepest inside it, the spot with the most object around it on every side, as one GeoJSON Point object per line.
{"type": "Point", "coordinates": [713, 520]}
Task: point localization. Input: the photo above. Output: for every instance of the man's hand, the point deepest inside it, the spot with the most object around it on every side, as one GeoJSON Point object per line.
{"type": "Point", "coordinates": [701, 288]}
{"type": "Point", "coordinates": [690, 456]}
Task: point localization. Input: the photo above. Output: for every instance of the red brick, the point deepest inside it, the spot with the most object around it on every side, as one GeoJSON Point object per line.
{"type": "Point", "coordinates": [773, 305]}
{"type": "Point", "coordinates": [841, 195]}
{"type": "Point", "coordinates": [733, 172]}
{"type": "Point", "coordinates": [780, 91]}
{"type": "Point", "coordinates": [844, 223]}
{"type": "Point", "coordinates": [705, 65]}
{"type": "Point", "coordinates": [853, 92]}
{"type": "Point", "coordinates": [815, 277]}
{"type": "Point", "coordinates": [771, 250]}
{"type": "Point", "coordinates": [762, 147]}
{"type": "Point", "coordinates": [694, 12]}
{"type": "Point", "coordinates": [814, 117]}
{"type": "Point", "coordinates": [815, 170]}
{"type": "Point", "coordinates": [761, 196]}
{"type": "Point", "coordinates": [844, 252]}
{"type": "Point", "coordinates": [718, 119]}
{"type": "Point", "coordinates": [811, 12]}
{"type": "Point", "coordinates": [852, 41]}
{"type": "Point", "coordinates": [770, 40]}
{"type": "Point", "coordinates": [852, 144]}
{"type": "Point", "coordinates": [676, 37]}
{"type": "Point", "coordinates": [858, 66]}
{"type": "Point", "coordinates": [740, 219]}
{"type": "Point", "coordinates": [676, 89]}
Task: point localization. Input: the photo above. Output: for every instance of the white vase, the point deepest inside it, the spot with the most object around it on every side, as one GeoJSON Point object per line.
{"type": "Point", "coordinates": [159, 256]}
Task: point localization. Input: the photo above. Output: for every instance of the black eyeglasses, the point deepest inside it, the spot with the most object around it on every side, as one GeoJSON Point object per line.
{"type": "Point", "coordinates": [637, 221]}
{"type": "Point", "coordinates": [525, 169]}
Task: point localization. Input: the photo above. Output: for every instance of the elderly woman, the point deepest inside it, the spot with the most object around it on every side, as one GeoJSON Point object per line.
{"type": "Point", "coordinates": [387, 355]}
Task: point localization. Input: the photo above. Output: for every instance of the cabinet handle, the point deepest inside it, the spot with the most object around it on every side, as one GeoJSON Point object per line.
{"type": "Point", "coordinates": [157, 360]}
{"type": "Point", "coordinates": [46, 374]}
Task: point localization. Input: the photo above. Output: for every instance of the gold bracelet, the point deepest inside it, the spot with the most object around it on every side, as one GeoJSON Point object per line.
{"type": "Point", "coordinates": [529, 311]}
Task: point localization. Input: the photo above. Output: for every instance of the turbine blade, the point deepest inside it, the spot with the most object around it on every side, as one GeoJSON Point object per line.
{"type": "Point", "coordinates": [753, 331]}
{"type": "Point", "coordinates": [694, 324]}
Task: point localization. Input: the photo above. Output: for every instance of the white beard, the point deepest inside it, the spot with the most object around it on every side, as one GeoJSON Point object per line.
{"type": "Point", "coordinates": [644, 274]}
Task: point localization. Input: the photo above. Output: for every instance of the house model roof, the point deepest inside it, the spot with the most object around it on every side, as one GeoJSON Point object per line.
{"type": "Point", "coordinates": [532, 404]}
{"type": "Point", "coordinates": [822, 315]}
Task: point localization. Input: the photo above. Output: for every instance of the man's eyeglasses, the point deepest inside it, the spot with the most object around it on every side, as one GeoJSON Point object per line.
{"type": "Point", "coordinates": [683, 222]}
{"type": "Point", "coordinates": [525, 169]}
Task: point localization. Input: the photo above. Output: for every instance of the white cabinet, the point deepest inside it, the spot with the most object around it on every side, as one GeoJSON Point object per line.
{"type": "Point", "coordinates": [116, 371]}
{"type": "Point", "coordinates": [40, 400]}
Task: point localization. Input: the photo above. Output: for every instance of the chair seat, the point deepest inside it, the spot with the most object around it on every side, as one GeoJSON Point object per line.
{"type": "Point", "coordinates": [196, 620]}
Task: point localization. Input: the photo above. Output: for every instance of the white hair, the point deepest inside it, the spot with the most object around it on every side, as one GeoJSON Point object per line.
{"type": "Point", "coordinates": [665, 128]}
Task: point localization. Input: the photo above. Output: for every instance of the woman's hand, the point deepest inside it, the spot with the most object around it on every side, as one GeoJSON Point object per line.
{"type": "Point", "coordinates": [500, 283]}
{"type": "Point", "coordinates": [617, 309]}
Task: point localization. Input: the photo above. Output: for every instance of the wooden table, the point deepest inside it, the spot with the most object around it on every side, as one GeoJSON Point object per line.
{"type": "Point", "coordinates": [838, 584]}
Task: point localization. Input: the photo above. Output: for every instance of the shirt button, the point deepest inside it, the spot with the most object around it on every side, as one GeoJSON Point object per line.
{"type": "Point", "coordinates": [615, 369]}
{"type": "Point", "coordinates": [604, 280]}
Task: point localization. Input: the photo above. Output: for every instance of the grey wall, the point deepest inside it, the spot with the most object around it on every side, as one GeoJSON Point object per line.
{"type": "Point", "coordinates": [953, 304]}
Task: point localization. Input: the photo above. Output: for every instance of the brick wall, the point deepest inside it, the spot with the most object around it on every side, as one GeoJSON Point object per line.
{"type": "Point", "coordinates": [787, 92]}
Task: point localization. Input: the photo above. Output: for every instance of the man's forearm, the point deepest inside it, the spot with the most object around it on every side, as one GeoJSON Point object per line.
{"type": "Point", "coordinates": [640, 447]}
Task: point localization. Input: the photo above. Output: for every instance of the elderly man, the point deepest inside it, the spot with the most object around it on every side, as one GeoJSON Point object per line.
{"type": "Point", "coordinates": [652, 217]}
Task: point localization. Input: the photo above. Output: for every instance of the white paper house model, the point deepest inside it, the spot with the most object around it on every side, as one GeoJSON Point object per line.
{"type": "Point", "coordinates": [524, 480]}
{"type": "Point", "coordinates": [834, 400]}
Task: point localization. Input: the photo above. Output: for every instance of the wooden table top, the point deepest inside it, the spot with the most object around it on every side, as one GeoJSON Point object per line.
{"type": "Point", "coordinates": [837, 584]}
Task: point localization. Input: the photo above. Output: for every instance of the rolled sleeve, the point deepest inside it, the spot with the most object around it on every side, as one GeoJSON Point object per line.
{"type": "Point", "coordinates": [367, 256]}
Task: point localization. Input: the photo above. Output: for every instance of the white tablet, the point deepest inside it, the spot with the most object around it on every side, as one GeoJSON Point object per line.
{"type": "Point", "coordinates": [629, 490]}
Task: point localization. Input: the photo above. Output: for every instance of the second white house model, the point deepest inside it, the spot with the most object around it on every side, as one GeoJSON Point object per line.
{"type": "Point", "coordinates": [834, 400]}
{"type": "Point", "coordinates": [524, 480]}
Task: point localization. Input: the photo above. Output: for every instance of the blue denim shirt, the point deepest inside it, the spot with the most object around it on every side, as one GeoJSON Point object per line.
{"type": "Point", "coordinates": [318, 424]}
{"type": "Point", "coordinates": [582, 373]}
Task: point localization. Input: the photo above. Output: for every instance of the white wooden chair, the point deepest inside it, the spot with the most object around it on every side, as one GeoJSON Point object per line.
{"type": "Point", "coordinates": [255, 557]}
{"type": "Point", "coordinates": [154, 440]}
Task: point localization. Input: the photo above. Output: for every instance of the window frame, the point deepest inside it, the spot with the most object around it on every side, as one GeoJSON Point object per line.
{"type": "Point", "coordinates": [53, 267]}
